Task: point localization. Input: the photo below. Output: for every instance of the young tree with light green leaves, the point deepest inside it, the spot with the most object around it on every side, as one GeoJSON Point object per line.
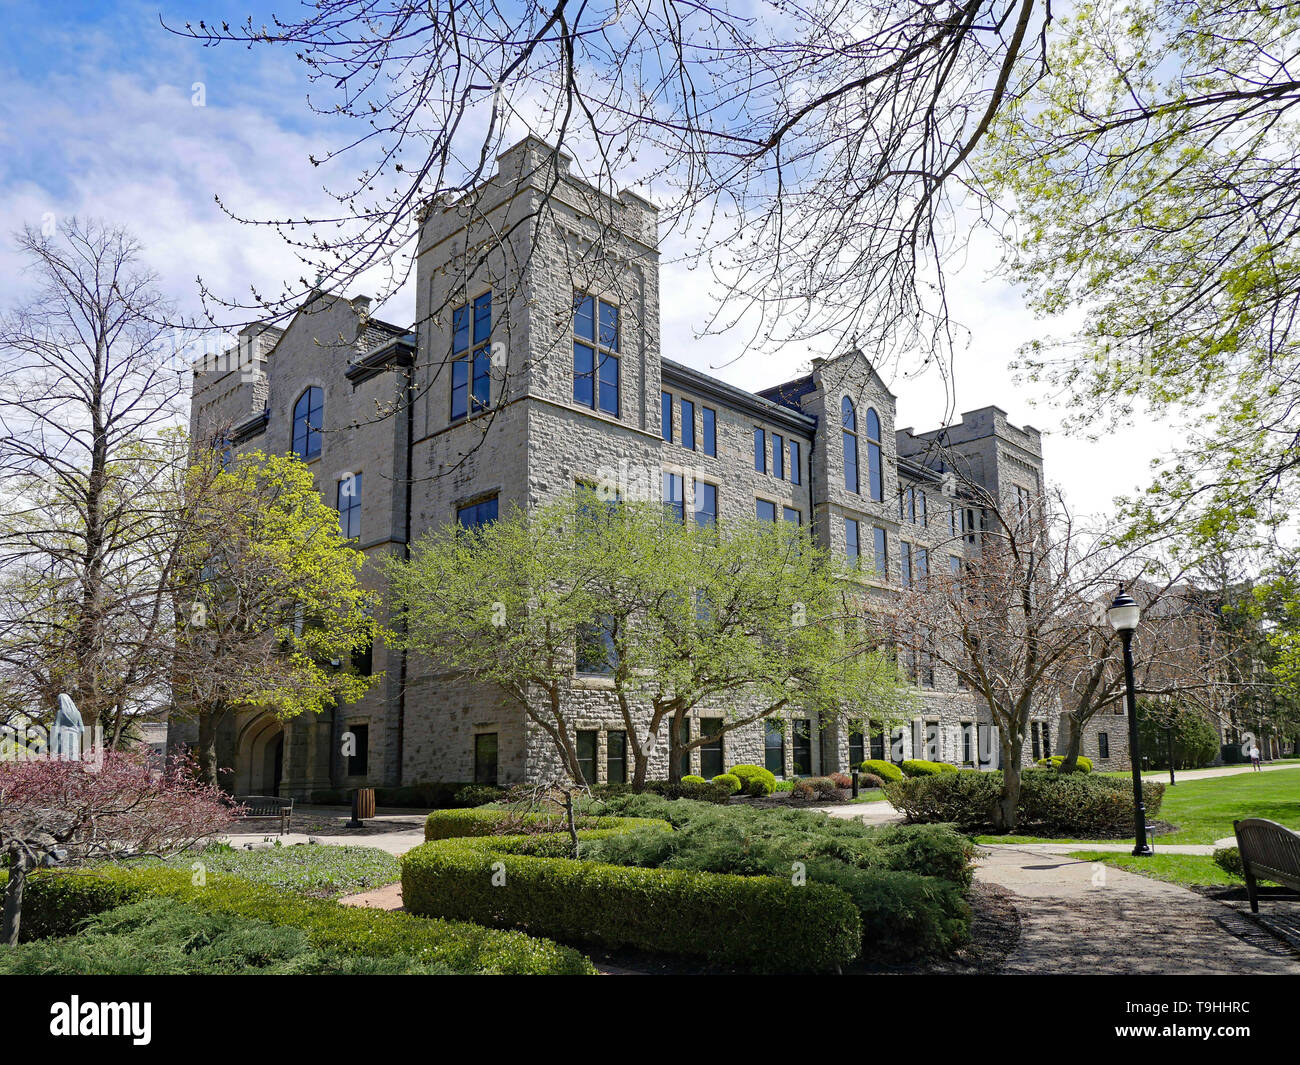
{"type": "Point", "coordinates": [669, 615]}
{"type": "Point", "coordinates": [270, 607]}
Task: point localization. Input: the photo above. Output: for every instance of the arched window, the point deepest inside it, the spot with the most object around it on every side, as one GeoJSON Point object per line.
{"type": "Point", "coordinates": [874, 472]}
{"type": "Point", "coordinates": [850, 421]}
{"type": "Point", "coordinates": [308, 413]}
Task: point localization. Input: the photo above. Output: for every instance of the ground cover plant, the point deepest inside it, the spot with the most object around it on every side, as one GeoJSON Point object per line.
{"type": "Point", "coordinates": [318, 871]}
{"type": "Point", "coordinates": [59, 903]}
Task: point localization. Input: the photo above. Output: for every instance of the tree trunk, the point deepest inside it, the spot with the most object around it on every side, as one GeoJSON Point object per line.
{"type": "Point", "coordinates": [1006, 811]}
{"type": "Point", "coordinates": [208, 720]}
{"type": "Point", "coordinates": [19, 864]}
{"type": "Point", "coordinates": [675, 748]}
{"type": "Point", "coordinates": [1071, 760]}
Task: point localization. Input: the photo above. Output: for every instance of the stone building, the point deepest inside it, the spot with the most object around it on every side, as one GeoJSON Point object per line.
{"type": "Point", "coordinates": [536, 366]}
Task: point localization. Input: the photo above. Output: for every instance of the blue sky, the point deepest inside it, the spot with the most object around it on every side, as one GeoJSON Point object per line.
{"type": "Point", "coordinates": [100, 119]}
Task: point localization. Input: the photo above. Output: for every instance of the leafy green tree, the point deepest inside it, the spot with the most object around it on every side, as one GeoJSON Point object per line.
{"type": "Point", "coordinates": [668, 616]}
{"type": "Point", "coordinates": [269, 597]}
{"type": "Point", "coordinates": [1154, 174]}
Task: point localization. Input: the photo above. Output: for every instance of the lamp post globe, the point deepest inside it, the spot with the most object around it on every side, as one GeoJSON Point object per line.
{"type": "Point", "coordinates": [1124, 615]}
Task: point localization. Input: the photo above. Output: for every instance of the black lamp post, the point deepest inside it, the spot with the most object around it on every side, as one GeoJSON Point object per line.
{"type": "Point", "coordinates": [1169, 742]}
{"type": "Point", "coordinates": [1124, 615]}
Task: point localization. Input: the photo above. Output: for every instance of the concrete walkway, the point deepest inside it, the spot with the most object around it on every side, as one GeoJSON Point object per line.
{"type": "Point", "coordinates": [392, 830]}
{"type": "Point", "coordinates": [1215, 771]}
{"type": "Point", "coordinates": [1084, 917]}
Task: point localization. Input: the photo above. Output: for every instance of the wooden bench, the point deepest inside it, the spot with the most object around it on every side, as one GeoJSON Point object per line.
{"type": "Point", "coordinates": [1269, 851]}
{"type": "Point", "coordinates": [266, 806]}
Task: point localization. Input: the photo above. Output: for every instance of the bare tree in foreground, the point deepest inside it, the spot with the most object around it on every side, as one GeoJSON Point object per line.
{"type": "Point", "coordinates": [1022, 625]}
{"type": "Point", "coordinates": [87, 536]}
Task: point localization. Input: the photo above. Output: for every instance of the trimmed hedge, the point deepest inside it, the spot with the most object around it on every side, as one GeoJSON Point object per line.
{"type": "Point", "coordinates": [919, 767]}
{"type": "Point", "coordinates": [431, 795]}
{"type": "Point", "coordinates": [692, 778]}
{"type": "Point", "coordinates": [762, 922]}
{"type": "Point", "coordinates": [757, 781]}
{"type": "Point", "coordinates": [55, 904]}
{"type": "Point", "coordinates": [1078, 804]}
{"type": "Point", "coordinates": [491, 821]}
{"type": "Point", "coordinates": [877, 767]}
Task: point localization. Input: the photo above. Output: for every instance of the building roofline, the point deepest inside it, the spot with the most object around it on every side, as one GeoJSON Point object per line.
{"type": "Point", "coordinates": [737, 398]}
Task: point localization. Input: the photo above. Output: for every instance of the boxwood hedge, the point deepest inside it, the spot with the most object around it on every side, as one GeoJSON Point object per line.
{"type": "Point", "coordinates": [494, 820]}
{"type": "Point", "coordinates": [55, 903]}
{"type": "Point", "coordinates": [761, 922]}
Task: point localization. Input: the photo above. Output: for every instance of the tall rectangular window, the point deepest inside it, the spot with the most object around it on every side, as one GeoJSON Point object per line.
{"type": "Point", "coordinates": [348, 503]}
{"type": "Point", "coordinates": [596, 653]}
{"type": "Point", "coordinates": [1103, 745]}
{"type": "Point", "coordinates": [476, 515]}
{"type": "Point", "coordinates": [588, 742]}
{"type": "Point", "coordinates": [967, 743]}
{"type": "Point", "coordinates": [485, 758]}
{"type": "Point", "coordinates": [778, 456]}
{"type": "Point", "coordinates": [706, 503]}
{"type": "Point", "coordinates": [857, 750]}
{"type": "Point", "coordinates": [796, 463]}
{"type": "Point", "coordinates": [792, 516]}
{"type": "Point", "coordinates": [954, 565]}
{"type": "Point", "coordinates": [774, 747]}
{"type": "Point", "coordinates": [905, 561]}
{"type": "Point", "coordinates": [764, 510]}
{"type": "Point", "coordinates": [921, 514]}
{"type": "Point", "coordinates": [802, 737]}
{"type": "Point", "coordinates": [880, 548]}
{"type": "Point", "coordinates": [709, 430]}
{"type": "Point", "coordinates": [851, 540]}
{"type": "Point", "coordinates": [711, 755]}
{"type": "Point", "coordinates": [359, 759]}
{"type": "Point", "coordinates": [911, 505]}
{"type": "Point", "coordinates": [877, 740]}
{"type": "Point", "coordinates": [760, 451]}
{"type": "Point", "coordinates": [688, 425]}
{"type": "Point", "coordinates": [674, 503]}
{"type": "Point", "coordinates": [683, 738]}
{"type": "Point", "coordinates": [471, 357]}
{"type": "Point", "coordinates": [616, 756]}
{"type": "Point", "coordinates": [595, 353]}
{"type": "Point", "coordinates": [922, 565]}
{"type": "Point", "coordinates": [666, 415]}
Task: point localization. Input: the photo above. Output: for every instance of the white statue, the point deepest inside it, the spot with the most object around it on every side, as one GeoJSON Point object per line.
{"type": "Point", "coordinates": [65, 736]}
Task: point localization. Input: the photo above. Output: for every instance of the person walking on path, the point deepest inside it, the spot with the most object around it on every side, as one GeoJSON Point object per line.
{"type": "Point", "coordinates": [1254, 758]}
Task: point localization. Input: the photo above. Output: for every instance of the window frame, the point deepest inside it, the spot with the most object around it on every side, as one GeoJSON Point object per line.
{"type": "Point", "coordinates": [603, 354]}
{"type": "Point", "coordinates": [311, 433]}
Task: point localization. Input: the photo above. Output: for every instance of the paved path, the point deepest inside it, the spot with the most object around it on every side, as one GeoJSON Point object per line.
{"type": "Point", "coordinates": [392, 830]}
{"type": "Point", "coordinates": [1083, 917]}
{"type": "Point", "coordinates": [1215, 771]}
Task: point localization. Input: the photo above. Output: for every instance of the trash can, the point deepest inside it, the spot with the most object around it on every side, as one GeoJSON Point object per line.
{"type": "Point", "coordinates": [363, 804]}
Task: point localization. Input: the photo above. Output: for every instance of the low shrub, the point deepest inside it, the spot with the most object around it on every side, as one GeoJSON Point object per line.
{"type": "Point", "coordinates": [823, 788]}
{"type": "Point", "coordinates": [477, 795]}
{"type": "Point", "coordinates": [853, 856]}
{"type": "Point", "coordinates": [761, 922]}
{"type": "Point", "coordinates": [730, 781]}
{"type": "Point", "coordinates": [1082, 804]}
{"type": "Point", "coordinates": [882, 769]}
{"type": "Point", "coordinates": [870, 780]}
{"type": "Point", "coordinates": [965, 798]}
{"type": "Point", "coordinates": [56, 903]}
{"type": "Point", "coordinates": [756, 780]}
{"type": "Point", "coordinates": [691, 778]}
{"type": "Point", "coordinates": [697, 789]}
{"type": "Point", "coordinates": [1079, 804]}
{"type": "Point", "coordinates": [841, 780]}
{"type": "Point", "coordinates": [1229, 860]}
{"type": "Point", "coordinates": [919, 767]}
{"type": "Point", "coordinates": [783, 787]}
{"type": "Point", "coordinates": [165, 937]}
{"type": "Point", "coordinates": [1082, 764]}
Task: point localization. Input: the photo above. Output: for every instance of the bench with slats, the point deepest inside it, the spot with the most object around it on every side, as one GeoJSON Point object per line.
{"type": "Point", "coordinates": [267, 806]}
{"type": "Point", "coordinates": [1269, 851]}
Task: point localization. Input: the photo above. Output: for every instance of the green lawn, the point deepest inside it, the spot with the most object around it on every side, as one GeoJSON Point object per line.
{"type": "Point", "coordinates": [1204, 809]}
{"type": "Point", "coordinates": [1184, 869]}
